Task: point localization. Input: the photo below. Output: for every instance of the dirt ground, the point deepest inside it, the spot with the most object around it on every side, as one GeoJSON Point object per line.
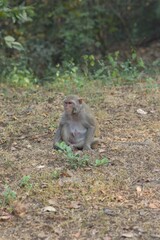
{"type": "Point", "coordinates": [120, 200]}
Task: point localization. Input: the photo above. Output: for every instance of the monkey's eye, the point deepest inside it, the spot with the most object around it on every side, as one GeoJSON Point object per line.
{"type": "Point", "coordinates": [68, 103]}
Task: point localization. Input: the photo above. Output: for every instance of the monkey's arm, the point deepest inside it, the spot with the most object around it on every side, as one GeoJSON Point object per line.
{"type": "Point", "coordinates": [57, 137]}
{"type": "Point", "coordinates": [58, 134]}
{"type": "Point", "coordinates": [62, 133]}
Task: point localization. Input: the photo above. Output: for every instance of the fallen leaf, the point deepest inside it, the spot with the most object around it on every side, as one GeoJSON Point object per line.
{"type": "Point", "coordinates": [40, 166]}
{"type": "Point", "coordinates": [77, 235]}
{"type": "Point", "coordinates": [141, 111]}
{"type": "Point", "coordinates": [102, 150]}
{"type": "Point", "coordinates": [128, 235]}
{"type": "Point", "coordinates": [153, 205]}
{"type": "Point", "coordinates": [49, 209]}
{"type": "Point", "coordinates": [139, 191]}
{"type": "Point", "coordinates": [28, 146]}
{"type": "Point", "coordinates": [5, 217]}
{"type": "Point", "coordinates": [107, 237]}
{"type": "Point", "coordinates": [19, 209]}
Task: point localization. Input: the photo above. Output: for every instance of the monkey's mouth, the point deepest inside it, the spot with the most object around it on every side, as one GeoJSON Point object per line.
{"type": "Point", "coordinates": [68, 110]}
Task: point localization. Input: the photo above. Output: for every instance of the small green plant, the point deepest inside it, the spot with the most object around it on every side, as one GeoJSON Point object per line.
{"type": "Point", "coordinates": [9, 195]}
{"type": "Point", "coordinates": [100, 162]}
{"type": "Point", "coordinates": [12, 43]}
{"type": "Point", "coordinates": [63, 147]}
{"type": "Point", "coordinates": [25, 182]}
{"type": "Point", "coordinates": [74, 159]}
{"type": "Point", "coordinates": [55, 174]}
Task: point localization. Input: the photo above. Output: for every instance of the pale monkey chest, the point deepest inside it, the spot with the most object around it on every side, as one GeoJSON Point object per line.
{"type": "Point", "coordinates": [77, 130]}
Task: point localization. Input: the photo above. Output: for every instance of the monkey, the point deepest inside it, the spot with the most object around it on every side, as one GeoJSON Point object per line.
{"type": "Point", "coordinates": [77, 125]}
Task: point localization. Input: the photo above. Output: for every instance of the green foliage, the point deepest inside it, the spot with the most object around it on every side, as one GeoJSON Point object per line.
{"type": "Point", "coordinates": [8, 195]}
{"type": "Point", "coordinates": [74, 159]}
{"type": "Point", "coordinates": [17, 13]}
{"type": "Point", "coordinates": [20, 76]}
{"type": "Point", "coordinates": [111, 71]}
{"type": "Point", "coordinates": [124, 71]}
{"type": "Point", "coordinates": [12, 51]}
{"type": "Point", "coordinates": [100, 162]}
{"type": "Point", "coordinates": [64, 147]}
{"type": "Point", "coordinates": [55, 174]}
{"type": "Point", "coordinates": [114, 71]}
{"type": "Point", "coordinates": [25, 182]}
{"type": "Point", "coordinates": [67, 40]}
{"type": "Point", "coordinates": [11, 43]}
{"type": "Point", "coordinates": [72, 29]}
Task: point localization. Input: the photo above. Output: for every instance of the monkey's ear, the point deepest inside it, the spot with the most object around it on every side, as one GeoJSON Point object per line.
{"type": "Point", "coordinates": [80, 100]}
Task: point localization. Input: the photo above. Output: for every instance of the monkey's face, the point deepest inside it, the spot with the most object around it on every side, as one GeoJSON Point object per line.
{"type": "Point", "coordinates": [69, 106]}
{"type": "Point", "coordinates": [72, 105]}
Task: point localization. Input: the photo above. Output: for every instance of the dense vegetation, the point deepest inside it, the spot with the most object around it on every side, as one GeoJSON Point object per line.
{"type": "Point", "coordinates": [42, 40]}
